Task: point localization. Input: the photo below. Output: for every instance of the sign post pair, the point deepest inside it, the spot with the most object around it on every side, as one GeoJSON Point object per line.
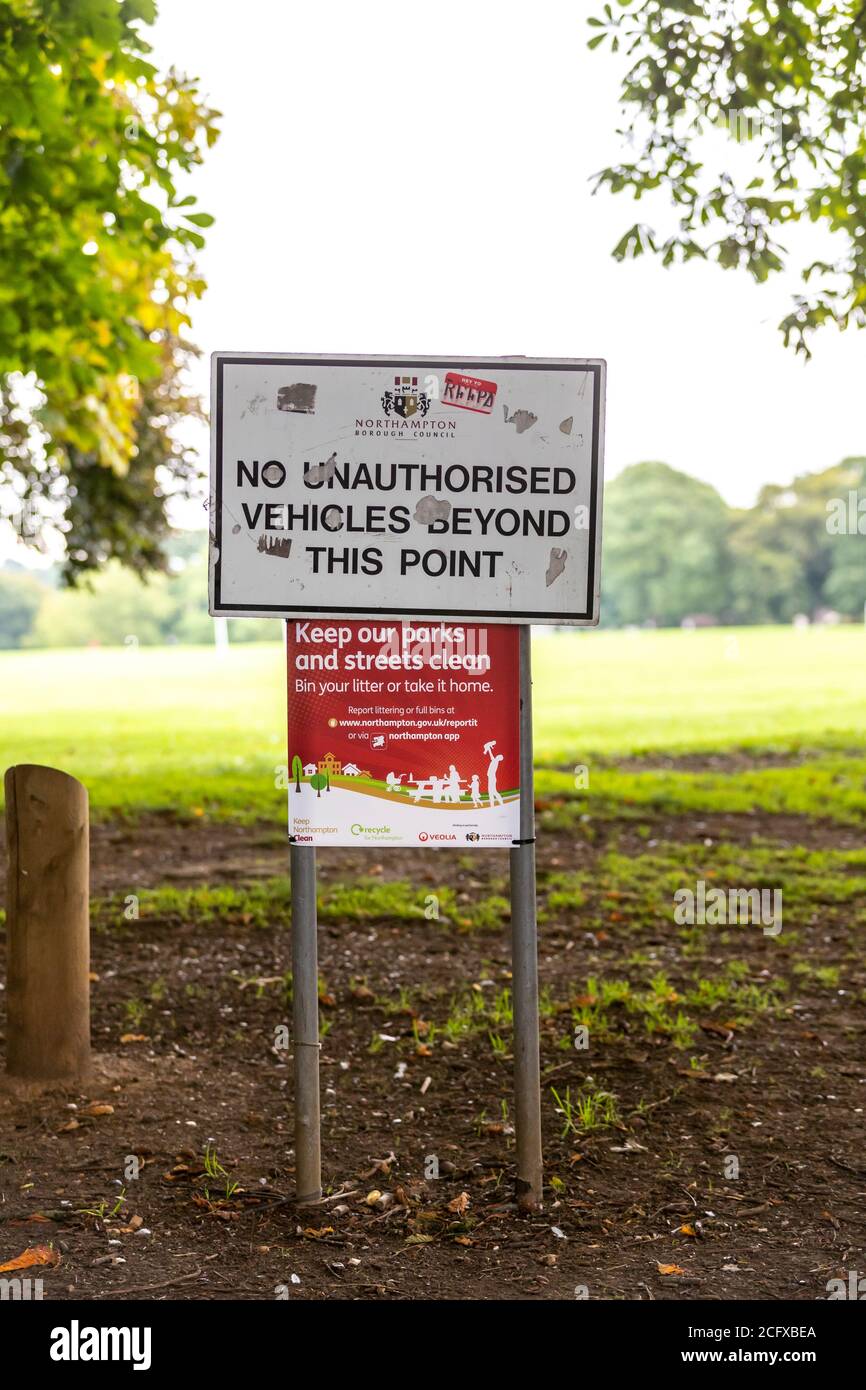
{"type": "Point", "coordinates": [409, 518]}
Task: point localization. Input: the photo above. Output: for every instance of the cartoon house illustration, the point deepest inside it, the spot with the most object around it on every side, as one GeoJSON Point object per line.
{"type": "Point", "coordinates": [351, 770]}
{"type": "Point", "coordinates": [332, 766]}
{"type": "Point", "coordinates": [310, 769]}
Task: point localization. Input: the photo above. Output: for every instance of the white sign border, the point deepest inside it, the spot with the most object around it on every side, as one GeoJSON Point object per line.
{"type": "Point", "coordinates": [595, 366]}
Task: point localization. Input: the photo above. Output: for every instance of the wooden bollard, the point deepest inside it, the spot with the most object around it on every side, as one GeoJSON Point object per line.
{"type": "Point", "coordinates": [47, 925]}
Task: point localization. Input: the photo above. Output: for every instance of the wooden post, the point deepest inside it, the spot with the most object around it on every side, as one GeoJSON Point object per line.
{"type": "Point", "coordinates": [47, 925]}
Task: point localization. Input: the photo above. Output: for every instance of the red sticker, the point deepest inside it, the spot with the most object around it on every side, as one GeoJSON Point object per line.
{"type": "Point", "coordinates": [469, 393]}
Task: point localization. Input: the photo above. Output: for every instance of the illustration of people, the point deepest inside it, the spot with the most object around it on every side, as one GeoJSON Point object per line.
{"type": "Point", "coordinates": [437, 785]}
{"type": "Point", "coordinates": [475, 790]}
{"type": "Point", "coordinates": [493, 797]}
{"type": "Point", "coordinates": [453, 781]}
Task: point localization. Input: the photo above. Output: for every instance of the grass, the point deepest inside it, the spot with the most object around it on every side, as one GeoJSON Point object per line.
{"type": "Point", "coordinates": [186, 731]}
{"type": "Point", "coordinates": [827, 785]}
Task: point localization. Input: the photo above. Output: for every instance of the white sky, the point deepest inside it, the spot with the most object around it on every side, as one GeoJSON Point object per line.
{"type": "Point", "coordinates": [399, 178]}
{"type": "Point", "coordinates": [414, 178]}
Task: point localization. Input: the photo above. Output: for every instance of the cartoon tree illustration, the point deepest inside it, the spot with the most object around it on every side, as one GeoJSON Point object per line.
{"type": "Point", "coordinates": [297, 769]}
{"type": "Point", "coordinates": [327, 781]}
{"type": "Point", "coordinates": [318, 781]}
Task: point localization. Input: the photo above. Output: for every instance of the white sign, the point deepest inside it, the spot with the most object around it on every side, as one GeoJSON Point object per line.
{"type": "Point", "coordinates": [406, 487]}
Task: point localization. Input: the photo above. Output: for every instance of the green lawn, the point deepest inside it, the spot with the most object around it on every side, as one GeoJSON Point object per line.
{"type": "Point", "coordinates": [184, 729]}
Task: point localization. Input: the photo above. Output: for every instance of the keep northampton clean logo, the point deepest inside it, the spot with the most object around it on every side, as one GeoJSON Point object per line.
{"type": "Point", "coordinates": [77, 1343]}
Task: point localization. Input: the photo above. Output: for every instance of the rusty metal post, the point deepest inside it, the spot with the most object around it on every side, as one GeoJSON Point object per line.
{"type": "Point", "coordinates": [47, 924]}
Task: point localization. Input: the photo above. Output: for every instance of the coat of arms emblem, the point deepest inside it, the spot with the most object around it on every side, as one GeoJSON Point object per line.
{"type": "Point", "coordinates": [405, 399]}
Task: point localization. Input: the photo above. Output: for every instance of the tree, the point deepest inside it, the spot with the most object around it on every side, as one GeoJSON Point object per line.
{"type": "Point", "coordinates": [297, 771]}
{"type": "Point", "coordinates": [97, 273]}
{"type": "Point", "coordinates": [785, 81]}
{"type": "Point", "coordinates": [769, 583]}
{"type": "Point", "coordinates": [845, 588]}
{"type": "Point", "coordinates": [21, 597]}
{"type": "Point", "coordinates": [318, 782]}
{"type": "Point", "coordinates": [785, 552]}
{"type": "Point", "coordinates": [665, 547]}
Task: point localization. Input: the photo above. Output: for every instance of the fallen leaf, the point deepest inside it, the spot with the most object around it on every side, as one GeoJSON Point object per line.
{"type": "Point", "coordinates": [459, 1204]}
{"type": "Point", "coordinates": [317, 1232]}
{"type": "Point", "coordinates": [670, 1269]}
{"type": "Point", "coordinates": [98, 1108]}
{"type": "Point", "coordinates": [33, 1255]}
{"type": "Point", "coordinates": [724, 1030]}
{"type": "Point", "coordinates": [68, 1127]}
{"type": "Point", "coordinates": [687, 1231]}
{"type": "Point", "coordinates": [134, 1037]}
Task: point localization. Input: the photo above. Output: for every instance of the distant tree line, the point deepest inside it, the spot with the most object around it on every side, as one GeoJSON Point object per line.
{"type": "Point", "coordinates": [674, 552]}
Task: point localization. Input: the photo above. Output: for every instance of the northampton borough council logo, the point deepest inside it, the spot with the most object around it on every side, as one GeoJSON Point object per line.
{"type": "Point", "coordinates": [405, 399]}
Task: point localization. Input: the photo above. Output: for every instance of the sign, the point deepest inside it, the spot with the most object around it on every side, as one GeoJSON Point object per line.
{"type": "Point", "coordinates": [457, 488]}
{"type": "Point", "coordinates": [403, 734]}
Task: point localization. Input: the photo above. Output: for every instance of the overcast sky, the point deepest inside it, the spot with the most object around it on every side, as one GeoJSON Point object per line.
{"type": "Point", "coordinates": [398, 178]}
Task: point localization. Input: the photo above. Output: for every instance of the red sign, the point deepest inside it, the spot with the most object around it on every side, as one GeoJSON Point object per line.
{"type": "Point", "coordinates": [403, 734]}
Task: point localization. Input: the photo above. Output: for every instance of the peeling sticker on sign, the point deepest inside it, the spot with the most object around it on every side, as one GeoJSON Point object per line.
{"type": "Point", "coordinates": [556, 564]}
{"type": "Point", "coordinates": [321, 472]}
{"type": "Point", "coordinates": [565, 425]}
{"type": "Point", "coordinates": [281, 546]}
{"type": "Point", "coordinates": [299, 398]}
{"type": "Point", "coordinates": [520, 419]}
{"type": "Point", "coordinates": [431, 509]}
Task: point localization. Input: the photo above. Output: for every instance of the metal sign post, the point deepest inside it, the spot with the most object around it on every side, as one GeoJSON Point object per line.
{"type": "Point", "coordinates": [305, 1009]}
{"type": "Point", "coordinates": [524, 960]}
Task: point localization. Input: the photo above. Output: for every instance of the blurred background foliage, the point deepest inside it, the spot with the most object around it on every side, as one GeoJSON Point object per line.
{"type": "Point", "coordinates": [97, 276]}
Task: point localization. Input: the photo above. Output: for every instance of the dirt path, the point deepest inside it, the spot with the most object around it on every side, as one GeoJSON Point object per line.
{"type": "Point", "coordinates": [784, 1098]}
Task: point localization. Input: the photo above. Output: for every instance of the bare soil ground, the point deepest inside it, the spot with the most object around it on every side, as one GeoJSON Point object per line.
{"type": "Point", "coordinates": [198, 1003]}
